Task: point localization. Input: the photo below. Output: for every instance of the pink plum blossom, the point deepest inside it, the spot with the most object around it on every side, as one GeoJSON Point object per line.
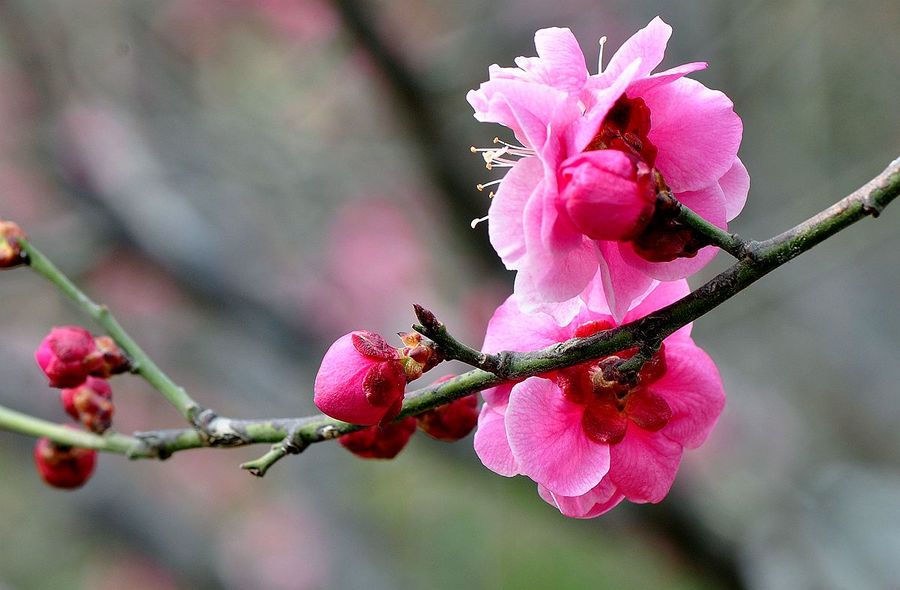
{"type": "Point", "coordinates": [587, 437]}
{"type": "Point", "coordinates": [361, 380]}
{"type": "Point", "coordinates": [579, 197]}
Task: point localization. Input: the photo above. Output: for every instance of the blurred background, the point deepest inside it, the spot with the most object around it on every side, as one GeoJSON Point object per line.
{"type": "Point", "coordinates": [244, 181]}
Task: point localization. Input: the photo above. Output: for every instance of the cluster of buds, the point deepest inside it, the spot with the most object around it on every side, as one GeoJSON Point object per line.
{"type": "Point", "coordinates": [79, 364]}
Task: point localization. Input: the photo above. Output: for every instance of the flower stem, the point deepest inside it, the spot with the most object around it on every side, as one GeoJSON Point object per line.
{"type": "Point", "coordinates": [141, 363]}
{"type": "Point", "coordinates": [24, 424]}
{"type": "Point", "coordinates": [712, 234]}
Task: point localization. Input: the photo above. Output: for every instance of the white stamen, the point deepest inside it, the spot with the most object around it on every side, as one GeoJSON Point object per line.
{"type": "Point", "coordinates": [477, 221]}
{"type": "Point", "coordinates": [481, 187]}
{"type": "Point", "coordinates": [600, 58]}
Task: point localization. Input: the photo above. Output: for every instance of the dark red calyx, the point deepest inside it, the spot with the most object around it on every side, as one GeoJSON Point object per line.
{"type": "Point", "coordinates": [380, 442]}
{"type": "Point", "coordinates": [452, 421]}
{"type": "Point", "coordinates": [373, 346]}
{"type": "Point", "coordinates": [384, 383]}
{"type": "Point", "coordinates": [604, 423]}
{"type": "Point", "coordinates": [647, 410]}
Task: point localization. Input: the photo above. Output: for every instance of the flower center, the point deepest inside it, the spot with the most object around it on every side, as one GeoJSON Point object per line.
{"type": "Point", "coordinates": [625, 128]}
{"type": "Point", "coordinates": [610, 399]}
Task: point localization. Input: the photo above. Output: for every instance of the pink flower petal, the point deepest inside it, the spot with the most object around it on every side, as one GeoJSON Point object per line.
{"type": "Point", "coordinates": [661, 296]}
{"type": "Point", "coordinates": [600, 499]}
{"type": "Point", "coordinates": [594, 298]}
{"type": "Point", "coordinates": [512, 329]}
{"type": "Point", "coordinates": [491, 444]}
{"type": "Point", "coordinates": [498, 396]}
{"type": "Point", "coordinates": [547, 440]}
{"type": "Point", "coordinates": [559, 260]}
{"type": "Point", "coordinates": [693, 389]}
{"type": "Point", "coordinates": [735, 185]}
{"type": "Point", "coordinates": [505, 225]}
{"type": "Point", "coordinates": [696, 132]}
{"type": "Point", "coordinates": [522, 106]}
{"type": "Point", "coordinates": [561, 58]}
{"type": "Point", "coordinates": [709, 203]}
{"type": "Point", "coordinates": [639, 87]}
{"type": "Point", "coordinates": [648, 45]}
{"type": "Point", "coordinates": [644, 464]}
{"type": "Point", "coordinates": [585, 128]}
{"type": "Point", "coordinates": [622, 282]}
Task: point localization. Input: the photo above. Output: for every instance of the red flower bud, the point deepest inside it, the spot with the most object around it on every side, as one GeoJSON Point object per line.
{"type": "Point", "coordinates": [380, 442]}
{"type": "Point", "coordinates": [10, 251]}
{"type": "Point", "coordinates": [62, 466]}
{"type": "Point", "coordinates": [112, 360]}
{"type": "Point", "coordinates": [452, 421]}
{"type": "Point", "coordinates": [68, 355]}
{"type": "Point", "coordinates": [361, 380]}
{"type": "Point", "coordinates": [90, 403]}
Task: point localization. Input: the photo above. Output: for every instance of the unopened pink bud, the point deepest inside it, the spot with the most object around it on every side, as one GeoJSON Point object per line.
{"type": "Point", "coordinates": [380, 442]}
{"type": "Point", "coordinates": [10, 250]}
{"type": "Point", "coordinates": [607, 194]}
{"type": "Point", "coordinates": [361, 380]}
{"type": "Point", "coordinates": [67, 356]}
{"type": "Point", "coordinates": [62, 466]}
{"type": "Point", "coordinates": [90, 403]}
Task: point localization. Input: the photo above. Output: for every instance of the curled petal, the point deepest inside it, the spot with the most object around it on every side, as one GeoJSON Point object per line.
{"type": "Point", "coordinates": [639, 87]}
{"type": "Point", "coordinates": [648, 45]}
{"type": "Point", "coordinates": [600, 499]}
{"type": "Point", "coordinates": [735, 185]}
{"type": "Point", "coordinates": [561, 59]}
{"type": "Point", "coordinates": [491, 444]}
{"type": "Point", "coordinates": [520, 105]}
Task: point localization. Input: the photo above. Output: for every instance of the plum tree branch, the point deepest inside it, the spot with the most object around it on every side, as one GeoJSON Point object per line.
{"type": "Point", "coordinates": [295, 434]}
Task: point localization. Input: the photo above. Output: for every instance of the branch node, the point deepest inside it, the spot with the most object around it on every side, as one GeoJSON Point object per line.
{"type": "Point", "coordinates": [328, 432]}
{"type": "Point", "coordinates": [153, 443]}
{"type": "Point", "coordinates": [214, 430]}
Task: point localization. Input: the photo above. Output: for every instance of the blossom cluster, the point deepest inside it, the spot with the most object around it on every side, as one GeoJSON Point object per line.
{"type": "Point", "coordinates": [587, 216]}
